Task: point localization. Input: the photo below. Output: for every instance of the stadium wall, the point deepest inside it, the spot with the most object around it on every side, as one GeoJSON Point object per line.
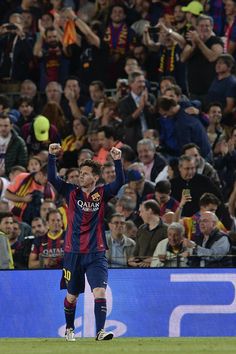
{"type": "Point", "coordinates": [141, 303]}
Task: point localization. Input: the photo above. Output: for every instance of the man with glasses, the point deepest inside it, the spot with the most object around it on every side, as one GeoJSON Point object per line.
{"type": "Point", "coordinates": [120, 246]}
{"type": "Point", "coordinates": [213, 246]}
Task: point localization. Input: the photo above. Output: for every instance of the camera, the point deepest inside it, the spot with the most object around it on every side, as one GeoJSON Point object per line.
{"type": "Point", "coordinates": [11, 27]}
{"type": "Point", "coordinates": [153, 33]}
{"type": "Point", "coordinates": [153, 30]}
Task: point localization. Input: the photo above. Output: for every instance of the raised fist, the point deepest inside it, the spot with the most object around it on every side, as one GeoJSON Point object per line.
{"type": "Point", "coordinates": [115, 153]}
{"type": "Point", "coordinates": [54, 149]}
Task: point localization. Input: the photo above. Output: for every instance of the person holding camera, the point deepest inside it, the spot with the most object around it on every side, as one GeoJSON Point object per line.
{"type": "Point", "coordinates": [168, 45]}
{"type": "Point", "coordinates": [16, 53]}
{"type": "Point", "coordinates": [52, 56]}
{"type": "Point", "coordinates": [193, 184]}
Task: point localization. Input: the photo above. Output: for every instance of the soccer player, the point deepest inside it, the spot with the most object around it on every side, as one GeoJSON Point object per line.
{"type": "Point", "coordinates": [85, 242]}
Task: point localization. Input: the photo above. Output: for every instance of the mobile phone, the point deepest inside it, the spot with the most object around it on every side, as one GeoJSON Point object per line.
{"type": "Point", "coordinates": [11, 27]}
{"type": "Point", "coordinates": [186, 192]}
{"type": "Point", "coordinates": [153, 30]}
{"type": "Point", "coordinates": [153, 33]}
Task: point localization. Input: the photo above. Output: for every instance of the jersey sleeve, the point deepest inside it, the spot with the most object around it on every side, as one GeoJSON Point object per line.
{"type": "Point", "coordinates": [61, 186]}
{"type": "Point", "coordinates": [111, 189]}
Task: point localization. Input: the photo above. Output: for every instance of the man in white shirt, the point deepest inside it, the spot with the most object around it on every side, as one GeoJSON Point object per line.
{"type": "Point", "coordinates": [172, 252]}
{"type": "Point", "coordinates": [120, 246]}
{"type": "Point", "coordinates": [213, 248]}
{"type": "Point", "coordinates": [137, 109]}
{"type": "Point", "coordinates": [153, 162]}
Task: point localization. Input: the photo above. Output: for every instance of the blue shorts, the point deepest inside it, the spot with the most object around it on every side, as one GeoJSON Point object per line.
{"type": "Point", "coordinates": [94, 265]}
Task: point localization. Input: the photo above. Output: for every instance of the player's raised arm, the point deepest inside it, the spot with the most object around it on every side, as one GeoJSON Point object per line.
{"type": "Point", "coordinates": [114, 187]}
{"type": "Point", "coordinates": [61, 186]}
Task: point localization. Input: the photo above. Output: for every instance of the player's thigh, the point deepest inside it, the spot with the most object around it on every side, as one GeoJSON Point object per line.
{"type": "Point", "coordinates": [97, 271]}
{"type": "Point", "coordinates": [73, 274]}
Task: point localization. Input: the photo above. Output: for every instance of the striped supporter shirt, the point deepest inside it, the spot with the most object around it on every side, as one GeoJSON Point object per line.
{"type": "Point", "coordinates": [85, 230]}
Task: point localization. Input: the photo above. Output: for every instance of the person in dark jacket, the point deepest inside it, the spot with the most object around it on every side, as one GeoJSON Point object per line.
{"type": "Point", "coordinates": [178, 128]}
{"type": "Point", "coordinates": [194, 183]}
{"type": "Point", "coordinates": [149, 234]}
{"type": "Point", "coordinates": [214, 246]}
{"type": "Point", "coordinates": [13, 150]}
{"type": "Point", "coordinates": [153, 162]}
{"type": "Point", "coordinates": [137, 109]}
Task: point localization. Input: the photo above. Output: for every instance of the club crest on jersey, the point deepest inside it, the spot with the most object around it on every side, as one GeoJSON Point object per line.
{"type": "Point", "coordinates": [95, 197]}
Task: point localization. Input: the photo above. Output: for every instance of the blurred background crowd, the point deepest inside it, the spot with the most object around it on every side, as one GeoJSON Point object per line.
{"type": "Point", "coordinates": [154, 78]}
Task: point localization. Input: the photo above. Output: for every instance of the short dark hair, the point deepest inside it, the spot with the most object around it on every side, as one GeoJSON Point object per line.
{"type": "Point", "coordinates": [166, 103]}
{"type": "Point", "coordinates": [48, 14]}
{"type": "Point", "coordinates": [24, 99]}
{"type": "Point", "coordinates": [109, 131]}
{"type": "Point", "coordinates": [36, 159]}
{"type": "Point", "coordinates": [37, 218]}
{"type": "Point", "coordinates": [163, 187]}
{"type": "Point", "coordinates": [94, 165]}
{"type": "Point", "coordinates": [190, 146]}
{"type": "Point", "coordinates": [71, 77]}
{"type": "Point", "coordinates": [227, 58]}
{"type": "Point", "coordinates": [209, 198]}
{"type": "Point", "coordinates": [128, 153]}
{"type": "Point", "coordinates": [5, 214]}
{"type": "Point", "coordinates": [84, 121]}
{"type": "Point", "coordinates": [116, 215]}
{"type": "Point", "coordinates": [169, 78]}
{"type": "Point", "coordinates": [69, 171]}
{"type": "Point", "coordinates": [98, 83]}
{"type": "Point", "coordinates": [108, 164]}
{"type": "Point", "coordinates": [214, 104]}
{"type": "Point", "coordinates": [118, 4]}
{"type": "Point", "coordinates": [6, 115]}
{"type": "Point", "coordinates": [174, 164]}
{"type": "Point", "coordinates": [49, 29]}
{"type": "Point", "coordinates": [53, 211]}
{"type": "Point", "coordinates": [176, 88]}
{"type": "Point", "coordinates": [153, 205]}
{"type": "Point", "coordinates": [4, 101]}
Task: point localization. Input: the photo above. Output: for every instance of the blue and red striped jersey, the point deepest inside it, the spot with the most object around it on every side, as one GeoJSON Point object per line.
{"type": "Point", "coordinates": [48, 247]}
{"type": "Point", "coordinates": [86, 227]}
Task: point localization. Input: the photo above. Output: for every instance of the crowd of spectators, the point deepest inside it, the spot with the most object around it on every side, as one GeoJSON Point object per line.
{"type": "Point", "coordinates": [154, 78]}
